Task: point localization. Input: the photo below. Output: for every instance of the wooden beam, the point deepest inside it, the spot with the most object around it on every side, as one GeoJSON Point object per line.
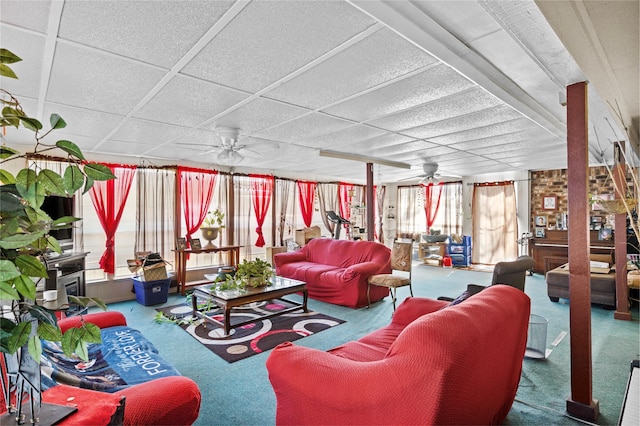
{"type": "Point", "coordinates": [371, 223]}
{"type": "Point", "coordinates": [580, 404]}
{"type": "Point", "coordinates": [620, 180]}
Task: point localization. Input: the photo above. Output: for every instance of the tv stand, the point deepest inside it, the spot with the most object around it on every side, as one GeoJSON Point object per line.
{"type": "Point", "coordinates": [67, 270]}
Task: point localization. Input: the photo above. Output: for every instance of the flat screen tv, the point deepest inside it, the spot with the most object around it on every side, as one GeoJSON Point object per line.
{"type": "Point", "coordinates": [56, 207]}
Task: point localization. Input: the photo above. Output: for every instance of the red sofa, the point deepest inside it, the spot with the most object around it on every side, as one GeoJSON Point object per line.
{"type": "Point", "coordinates": [173, 400]}
{"type": "Point", "coordinates": [457, 365]}
{"type": "Point", "coordinates": [336, 271]}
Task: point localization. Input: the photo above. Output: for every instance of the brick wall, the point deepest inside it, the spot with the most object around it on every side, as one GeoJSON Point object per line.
{"type": "Point", "coordinates": [553, 183]}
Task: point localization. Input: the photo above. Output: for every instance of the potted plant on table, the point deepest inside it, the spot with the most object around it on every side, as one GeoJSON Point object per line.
{"type": "Point", "coordinates": [213, 222]}
{"type": "Point", "coordinates": [256, 273]}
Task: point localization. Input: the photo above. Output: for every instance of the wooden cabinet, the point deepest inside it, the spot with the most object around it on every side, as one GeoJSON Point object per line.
{"type": "Point", "coordinates": [553, 250]}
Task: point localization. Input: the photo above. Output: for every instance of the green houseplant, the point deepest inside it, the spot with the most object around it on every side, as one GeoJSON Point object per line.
{"type": "Point", "coordinates": [24, 231]}
{"type": "Point", "coordinates": [255, 272]}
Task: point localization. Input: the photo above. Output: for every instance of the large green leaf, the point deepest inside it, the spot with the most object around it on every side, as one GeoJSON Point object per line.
{"type": "Point", "coordinates": [8, 270]}
{"type": "Point", "coordinates": [57, 122]}
{"type": "Point", "coordinates": [26, 182]}
{"type": "Point", "coordinates": [97, 171]}
{"type": "Point", "coordinates": [52, 182]}
{"type": "Point", "coordinates": [31, 123]}
{"type": "Point", "coordinates": [8, 57]}
{"type": "Point", "coordinates": [53, 244]}
{"type": "Point", "coordinates": [70, 148]}
{"type": "Point", "coordinates": [11, 116]}
{"type": "Point", "coordinates": [19, 336]}
{"type": "Point", "coordinates": [20, 240]}
{"type": "Point", "coordinates": [64, 222]}
{"type": "Point", "coordinates": [31, 265]}
{"type": "Point", "coordinates": [25, 286]}
{"type": "Point", "coordinates": [6, 152]}
{"type": "Point", "coordinates": [5, 71]}
{"type": "Point", "coordinates": [9, 227]}
{"type": "Point", "coordinates": [73, 179]}
{"type": "Point", "coordinates": [49, 332]}
{"type": "Point", "coordinates": [10, 200]}
{"type": "Point", "coordinates": [70, 340]}
{"type": "Point", "coordinates": [87, 185]}
{"type": "Point", "coordinates": [8, 292]}
{"type": "Point", "coordinates": [6, 177]}
{"type": "Point", "coordinates": [35, 348]}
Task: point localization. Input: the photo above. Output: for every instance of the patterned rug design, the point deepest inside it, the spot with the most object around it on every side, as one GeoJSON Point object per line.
{"type": "Point", "coordinates": [253, 338]}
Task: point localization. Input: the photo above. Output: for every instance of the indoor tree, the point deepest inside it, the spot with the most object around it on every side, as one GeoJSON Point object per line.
{"type": "Point", "coordinates": [24, 230]}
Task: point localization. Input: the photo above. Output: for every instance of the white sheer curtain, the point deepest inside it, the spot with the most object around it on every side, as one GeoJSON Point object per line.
{"type": "Point", "coordinates": [285, 210]}
{"type": "Point", "coordinates": [449, 217]}
{"type": "Point", "coordinates": [410, 212]}
{"type": "Point", "coordinates": [155, 213]}
{"type": "Point", "coordinates": [495, 226]}
{"type": "Point", "coordinates": [245, 217]}
{"type": "Point", "coordinates": [328, 201]}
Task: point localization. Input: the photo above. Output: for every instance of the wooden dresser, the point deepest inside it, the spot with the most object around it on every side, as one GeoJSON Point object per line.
{"type": "Point", "coordinates": [553, 250]}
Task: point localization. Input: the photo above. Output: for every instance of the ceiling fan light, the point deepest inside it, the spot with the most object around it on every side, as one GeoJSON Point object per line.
{"type": "Point", "coordinates": [223, 157]}
{"type": "Point", "coordinates": [234, 157]}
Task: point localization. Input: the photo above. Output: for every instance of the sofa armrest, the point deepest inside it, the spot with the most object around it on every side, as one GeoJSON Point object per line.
{"type": "Point", "coordinates": [336, 390]}
{"type": "Point", "coordinates": [365, 269]}
{"type": "Point", "coordinates": [165, 401]}
{"type": "Point", "coordinates": [288, 257]}
{"type": "Point", "coordinates": [413, 308]}
{"type": "Point", "coordinates": [101, 319]}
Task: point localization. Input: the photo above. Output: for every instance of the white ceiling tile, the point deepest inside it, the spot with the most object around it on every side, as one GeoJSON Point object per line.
{"type": "Point", "coordinates": [99, 81]}
{"type": "Point", "coordinates": [506, 138]}
{"type": "Point", "coordinates": [305, 128]}
{"type": "Point", "coordinates": [344, 139]}
{"type": "Point", "coordinates": [456, 105]}
{"type": "Point", "coordinates": [30, 48]}
{"type": "Point", "coordinates": [152, 26]}
{"type": "Point", "coordinates": [380, 57]}
{"type": "Point", "coordinates": [491, 130]}
{"type": "Point", "coordinates": [205, 100]}
{"type": "Point", "coordinates": [270, 39]}
{"type": "Point", "coordinates": [418, 89]}
{"type": "Point", "coordinates": [147, 132]}
{"type": "Point", "coordinates": [124, 147]}
{"type": "Point", "coordinates": [257, 115]}
{"type": "Point", "coordinates": [34, 17]}
{"type": "Point", "coordinates": [482, 118]}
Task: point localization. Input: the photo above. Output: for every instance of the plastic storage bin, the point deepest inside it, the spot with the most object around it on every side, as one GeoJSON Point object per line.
{"type": "Point", "coordinates": [151, 292]}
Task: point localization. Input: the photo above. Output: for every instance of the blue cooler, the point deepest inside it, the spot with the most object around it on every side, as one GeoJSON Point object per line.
{"type": "Point", "coordinates": [151, 292]}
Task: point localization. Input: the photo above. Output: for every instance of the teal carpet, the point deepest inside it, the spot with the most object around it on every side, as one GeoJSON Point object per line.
{"type": "Point", "coordinates": [240, 393]}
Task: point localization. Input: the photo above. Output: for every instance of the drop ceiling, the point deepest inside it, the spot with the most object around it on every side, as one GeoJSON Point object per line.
{"type": "Point", "coordinates": [474, 86]}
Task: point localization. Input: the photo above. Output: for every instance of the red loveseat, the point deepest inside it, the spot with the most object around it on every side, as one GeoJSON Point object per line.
{"type": "Point", "coordinates": [336, 271]}
{"type": "Point", "coordinates": [173, 400]}
{"type": "Point", "coordinates": [457, 365]}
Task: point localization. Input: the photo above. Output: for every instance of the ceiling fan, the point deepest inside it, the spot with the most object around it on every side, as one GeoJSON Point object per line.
{"type": "Point", "coordinates": [227, 147]}
{"type": "Point", "coordinates": [431, 173]}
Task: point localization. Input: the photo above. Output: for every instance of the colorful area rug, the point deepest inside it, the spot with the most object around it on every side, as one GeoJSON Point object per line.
{"type": "Point", "coordinates": [253, 338]}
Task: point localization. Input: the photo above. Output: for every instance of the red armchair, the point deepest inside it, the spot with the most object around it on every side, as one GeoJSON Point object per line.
{"type": "Point", "coordinates": [457, 365]}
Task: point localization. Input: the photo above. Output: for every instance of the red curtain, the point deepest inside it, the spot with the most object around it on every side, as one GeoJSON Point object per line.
{"type": "Point", "coordinates": [307, 195]}
{"type": "Point", "coordinates": [196, 190]}
{"type": "Point", "coordinates": [431, 202]}
{"type": "Point", "coordinates": [109, 198]}
{"type": "Point", "coordinates": [343, 199]}
{"type": "Point", "coordinates": [262, 190]}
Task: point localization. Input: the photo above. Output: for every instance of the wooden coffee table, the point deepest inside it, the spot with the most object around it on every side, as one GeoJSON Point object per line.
{"type": "Point", "coordinates": [228, 300]}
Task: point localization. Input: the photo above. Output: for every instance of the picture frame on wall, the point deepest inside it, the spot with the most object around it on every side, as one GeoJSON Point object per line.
{"type": "Point", "coordinates": [540, 232]}
{"type": "Point", "coordinates": [550, 202]}
{"type": "Point", "coordinates": [605, 234]}
{"type": "Point", "coordinates": [541, 221]}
